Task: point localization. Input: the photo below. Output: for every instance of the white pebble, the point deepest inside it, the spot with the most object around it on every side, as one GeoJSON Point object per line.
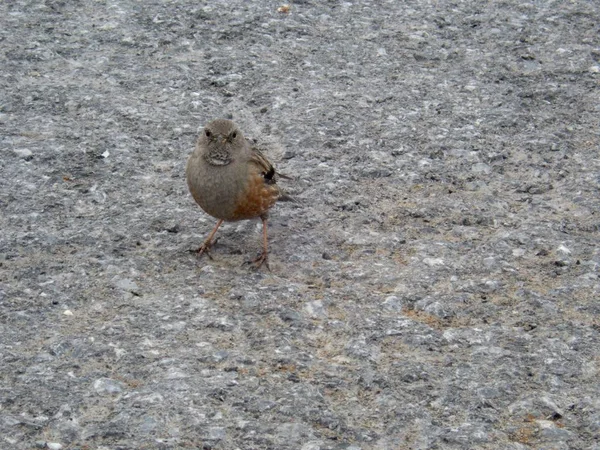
{"type": "Point", "coordinates": [315, 309]}
{"type": "Point", "coordinates": [108, 386]}
{"type": "Point", "coordinates": [23, 152]}
{"type": "Point", "coordinates": [434, 261]}
{"type": "Point", "coordinates": [518, 252]}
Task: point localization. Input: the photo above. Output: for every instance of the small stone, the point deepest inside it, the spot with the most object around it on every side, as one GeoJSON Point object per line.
{"type": "Point", "coordinates": [481, 168]}
{"type": "Point", "coordinates": [434, 261]}
{"type": "Point", "coordinates": [392, 303]}
{"type": "Point", "coordinates": [539, 189]}
{"type": "Point", "coordinates": [221, 355]}
{"type": "Point", "coordinates": [126, 284]}
{"type": "Point", "coordinates": [216, 433]}
{"type": "Point", "coordinates": [176, 374]}
{"type": "Point", "coordinates": [550, 431]}
{"type": "Point", "coordinates": [289, 315]}
{"type": "Point", "coordinates": [148, 425]}
{"type": "Point", "coordinates": [44, 357]}
{"type": "Point", "coordinates": [54, 445]}
{"type": "Point", "coordinates": [438, 309]}
{"type": "Point", "coordinates": [173, 229]}
{"type": "Point", "coordinates": [313, 445]}
{"type": "Point", "coordinates": [108, 386]}
{"type": "Point", "coordinates": [24, 153]}
{"type": "Point", "coordinates": [315, 309]}
{"type": "Point", "coordinates": [294, 433]}
{"type": "Point", "coordinates": [288, 154]}
{"type": "Point", "coordinates": [68, 312]}
{"type": "Point", "coordinates": [489, 261]}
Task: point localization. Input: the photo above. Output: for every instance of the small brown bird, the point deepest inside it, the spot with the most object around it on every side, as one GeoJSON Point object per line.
{"type": "Point", "coordinates": [231, 180]}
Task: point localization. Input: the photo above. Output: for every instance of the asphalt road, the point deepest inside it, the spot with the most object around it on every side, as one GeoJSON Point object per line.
{"type": "Point", "coordinates": [436, 285]}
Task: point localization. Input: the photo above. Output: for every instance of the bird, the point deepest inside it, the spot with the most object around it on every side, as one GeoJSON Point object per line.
{"type": "Point", "coordinates": [232, 180]}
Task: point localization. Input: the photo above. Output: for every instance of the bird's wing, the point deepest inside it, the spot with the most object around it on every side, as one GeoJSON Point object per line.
{"type": "Point", "coordinates": [266, 168]}
{"type": "Point", "coordinates": [270, 174]}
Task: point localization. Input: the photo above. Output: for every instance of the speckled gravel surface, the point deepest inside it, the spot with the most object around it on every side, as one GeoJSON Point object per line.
{"type": "Point", "coordinates": [436, 285]}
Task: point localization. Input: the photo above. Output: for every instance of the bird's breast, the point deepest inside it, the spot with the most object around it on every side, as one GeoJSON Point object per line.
{"type": "Point", "coordinates": [255, 199]}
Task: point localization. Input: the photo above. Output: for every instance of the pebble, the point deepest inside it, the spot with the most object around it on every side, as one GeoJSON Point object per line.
{"type": "Point", "coordinates": [24, 153]}
{"type": "Point", "coordinates": [313, 445]}
{"type": "Point", "coordinates": [219, 356]}
{"type": "Point", "coordinates": [126, 284]}
{"type": "Point", "coordinates": [108, 386]}
{"type": "Point", "coordinates": [216, 433]}
{"type": "Point", "coordinates": [481, 168]}
{"type": "Point", "coordinates": [434, 261]}
{"type": "Point", "coordinates": [315, 309]}
{"type": "Point", "coordinates": [392, 303]}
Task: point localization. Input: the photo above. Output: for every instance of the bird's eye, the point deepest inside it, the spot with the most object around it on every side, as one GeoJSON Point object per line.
{"type": "Point", "coordinates": [234, 135]}
{"type": "Point", "coordinates": [207, 133]}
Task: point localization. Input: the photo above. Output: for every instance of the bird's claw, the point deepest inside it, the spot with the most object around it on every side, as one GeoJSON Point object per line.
{"type": "Point", "coordinates": [205, 249]}
{"type": "Point", "coordinates": [259, 261]}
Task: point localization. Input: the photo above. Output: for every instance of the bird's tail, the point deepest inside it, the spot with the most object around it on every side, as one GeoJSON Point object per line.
{"type": "Point", "coordinates": [285, 197]}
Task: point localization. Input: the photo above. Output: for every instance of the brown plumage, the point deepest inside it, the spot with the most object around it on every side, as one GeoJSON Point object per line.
{"type": "Point", "coordinates": [231, 180]}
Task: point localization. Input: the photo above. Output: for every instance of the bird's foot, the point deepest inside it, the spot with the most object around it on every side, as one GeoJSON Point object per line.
{"type": "Point", "coordinates": [205, 248]}
{"type": "Point", "coordinates": [260, 260]}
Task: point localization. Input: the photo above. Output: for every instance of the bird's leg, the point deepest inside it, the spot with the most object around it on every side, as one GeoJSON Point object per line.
{"type": "Point", "coordinates": [205, 247]}
{"type": "Point", "coordinates": [263, 257]}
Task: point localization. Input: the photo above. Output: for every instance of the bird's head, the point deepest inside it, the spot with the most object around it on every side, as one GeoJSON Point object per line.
{"type": "Point", "coordinates": [222, 140]}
